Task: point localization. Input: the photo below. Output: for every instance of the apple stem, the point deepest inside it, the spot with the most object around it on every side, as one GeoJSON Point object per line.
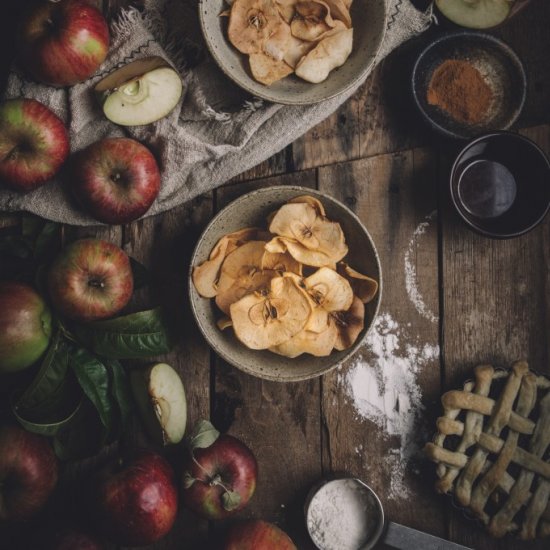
{"type": "Point", "coordinates": [216, 480]}
{"type": "Point", "coordinates": [96, 284]}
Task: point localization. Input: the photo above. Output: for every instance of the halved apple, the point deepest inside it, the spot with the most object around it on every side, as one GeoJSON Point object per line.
{"type": "Point", "coordinates": [161, 401]}
{"type": "Point", "coordinates": [141, 92]}
{"type": "Point", "coordinates": [475, 14]}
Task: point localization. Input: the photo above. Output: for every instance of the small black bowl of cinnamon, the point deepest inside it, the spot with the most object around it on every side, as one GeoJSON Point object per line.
{"type": "Point", "coordinates": [469, 83]}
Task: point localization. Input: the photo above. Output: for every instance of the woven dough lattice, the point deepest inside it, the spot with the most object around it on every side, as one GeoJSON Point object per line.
{"type": "Point", "coordinates": [492, 450]}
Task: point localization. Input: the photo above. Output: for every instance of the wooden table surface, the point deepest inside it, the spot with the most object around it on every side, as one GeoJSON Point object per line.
{"type": "Point", "coordinates": [456, 298]}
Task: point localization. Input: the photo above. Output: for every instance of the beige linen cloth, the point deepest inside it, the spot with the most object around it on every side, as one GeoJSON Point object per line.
{"type": "Point", "coordinates": [215, 133]}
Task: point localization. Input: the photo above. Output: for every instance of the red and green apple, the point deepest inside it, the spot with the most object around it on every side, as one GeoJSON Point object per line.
{"type": "Point", "coordinates": [28, 473]}
{"type": "Point", "coordinates": [137, 500]}
{"type": "Point", "coordinates": [34, 144]}
{"type": "Point", "coordinates": [115, 180]}
{"type": "Point", "coordinates": [63, 42]}
{"type": "Point", "coordinates": [256, 534]}
{"type": "Point", "coordinates": [90, 279]}
{"type": "Point", "coordinates": [25, 326]}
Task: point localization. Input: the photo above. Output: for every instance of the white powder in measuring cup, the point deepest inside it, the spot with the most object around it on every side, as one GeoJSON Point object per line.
{"type": "Point", "coordinates": [342, 516]}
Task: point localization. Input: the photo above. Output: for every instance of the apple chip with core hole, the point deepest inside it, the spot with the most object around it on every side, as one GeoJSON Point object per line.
{"type": "Point", "coordinates": [257, 278]}
{"type": "Point", "coordinates": [330, 53]}
{"type": "Point", "coordinates": [251, 23]}
{"type": "Point", "coordinates": [161, 401]}
{"type": "Point", "coordinates": [282, 37]}
{"type": "Point", "coordinates": [302, 223]}
{"type": "Point", "coordinates": [475, 14]}
{"type": "Point", "coordinates": [250, 268]}
{"type": "Point", "coordinates": [205, 276]}
{"type": "Point", "coordinates": [269, 319]}
{"type": "Point", "coordinates": [349, 324]}
{"type": "Point", "coordinates": [311, 20]}
{"type": "Point", "coordinates": [141, 92]}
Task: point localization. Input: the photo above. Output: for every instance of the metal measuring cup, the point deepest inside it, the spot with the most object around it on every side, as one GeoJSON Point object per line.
{"type": "Point", "coordinates": [373, 528]}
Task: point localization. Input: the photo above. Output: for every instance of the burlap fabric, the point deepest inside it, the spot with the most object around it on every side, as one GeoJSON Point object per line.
{"type": "Point", "coordinates": [215, 133]}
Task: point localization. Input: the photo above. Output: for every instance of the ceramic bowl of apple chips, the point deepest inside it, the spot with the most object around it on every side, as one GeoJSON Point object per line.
{"type": "Point", "coordinates": [295, 52]}
{"type": "Point", "coordinates": [285, 283]}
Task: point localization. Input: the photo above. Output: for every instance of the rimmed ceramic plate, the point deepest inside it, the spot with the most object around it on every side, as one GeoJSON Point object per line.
{"type": "Point", "coordinates": [252, 209]}
{"type": "Point", "coordinates": [369, 26]}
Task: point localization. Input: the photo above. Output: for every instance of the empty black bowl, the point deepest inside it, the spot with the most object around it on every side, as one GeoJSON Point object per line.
{"type": "Point", "coordinates": [500, 68]}
{"type": "Point", "coordinates": [500, 185]}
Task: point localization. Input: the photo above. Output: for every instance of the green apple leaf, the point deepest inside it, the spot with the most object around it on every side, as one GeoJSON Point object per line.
{"type": "Point", "coordinates": [120, 391]}
{"type": "Point", "coordinates": [203, 435]}
{"type": "Point", "coordinates": [231, 500]}
{"type": "Point", "coordinates": [81, 438]}
{"type": "Point", "coordinates": [93, 377]}
{"type": "Point", "coordinates": [188, 480]}
{"type": "Point", "coordinates": [140, 273]}
{"type": "Point", "coordinates": [53, 393]}
{"type": "Point", "coordinates": [50, 428]}
{"type": "Point", "coordinates": [135, 336]}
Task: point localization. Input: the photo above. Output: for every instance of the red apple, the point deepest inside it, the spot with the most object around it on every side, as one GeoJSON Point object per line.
{"type": "Point", "coordinates": [116, 180]}
{"type": "Point", "coordinates": [137, 500]}
{"type": "Point", "coordinates": [257, 535]}
{"type": "Point", "coordinates": [25, 326]}
{"type": "Point", "coordinates": [91, 279]}
{"type": "Point", "coordinates": [33, 144]}
{"type": "Point", "coordinates": [63, 42]}
{"type": "Point", "coordinates": [28, 473]}
{"type": "Point", "coordinates": [71, 539]}
{"type": "Point", "coordinates": [227, 468]}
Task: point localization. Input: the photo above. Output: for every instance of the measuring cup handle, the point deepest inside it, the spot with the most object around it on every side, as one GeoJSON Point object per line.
{"type": "Point", "coordinates": [404, 538]}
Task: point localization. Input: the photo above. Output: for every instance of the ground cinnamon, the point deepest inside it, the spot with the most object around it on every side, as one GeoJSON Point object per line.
{"type": "Point", "coordinates": [458, 88]}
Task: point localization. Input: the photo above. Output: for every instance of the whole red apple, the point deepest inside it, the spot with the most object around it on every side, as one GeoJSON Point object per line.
{"type": "Point", "coordinates": [63, 42]}
{"type": "Point", "coordinates": [257, 535]}
{"type": "Point", "coordinates": [116, 180]}
{"type": "Point", "coordinates": [33, 144]}
{"type": "Point", "coordinates": [28, 473]}
{"type": "Point", "coordinates": [90, 280]}
{"type": "Point", "coordinates": [25, 326]}
{"type": "Point", "coordinates": [227, 468]}
{"type": "Point", "coordinates": [72, 539]}
{"type": "Point", "coordinates": [137, 500]}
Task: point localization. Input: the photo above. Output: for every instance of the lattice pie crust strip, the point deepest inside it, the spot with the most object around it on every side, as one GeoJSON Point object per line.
{"type": "Point", "coordinates": [492, 450]}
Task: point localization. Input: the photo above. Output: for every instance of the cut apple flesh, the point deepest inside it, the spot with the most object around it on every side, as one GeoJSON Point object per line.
{"type": "Point", "coordinates": [160, 397]}
{"type": "Point", "coordinates": [143, 99]}
{"type": "Point", "coordinates": [475, 14]}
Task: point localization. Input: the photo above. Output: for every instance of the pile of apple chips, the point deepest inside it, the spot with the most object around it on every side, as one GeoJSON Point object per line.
{"type": "Point", "coordinates": [286, 289]}
{"type": "Point", "coordinates": [307, 37]}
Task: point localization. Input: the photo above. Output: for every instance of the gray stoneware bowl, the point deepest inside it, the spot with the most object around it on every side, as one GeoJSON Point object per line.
{"type": "Point", "coordinates": [252, 209]}
{"type": "Point", "coordinates": [369, 26]}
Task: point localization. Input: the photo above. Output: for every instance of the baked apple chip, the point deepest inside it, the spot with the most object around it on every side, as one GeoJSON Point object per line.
{"type": "Point", "coordinates": [314, 343]}
{"type": "Point", "coordinates": [263, 320]}
{"type": "Point", "coordinates": [363, 286]}
{"type": "Point", "coordinates": [267, 70]}
{"type": "Point", "coordinates": [349, 324]}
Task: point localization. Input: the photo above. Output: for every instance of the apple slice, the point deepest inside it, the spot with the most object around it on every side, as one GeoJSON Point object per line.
{"type": "Point", "coordinates": [141, 92]}
{"type": "Point", "coordinates": [475, 14]}
{"type": "Point", "coordinates": [161, 401]}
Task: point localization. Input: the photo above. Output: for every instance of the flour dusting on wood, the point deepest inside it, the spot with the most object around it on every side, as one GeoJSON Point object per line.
{"type": "Point", "coordinates": [411, 280]}
{"type": "Point", "coordinates": [382, 384]}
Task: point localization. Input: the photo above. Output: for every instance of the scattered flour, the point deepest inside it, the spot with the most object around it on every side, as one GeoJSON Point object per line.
{"type": "Point", "coordinates": [381, 383]}
{"type": "Point", "coordinates": [411, 281]}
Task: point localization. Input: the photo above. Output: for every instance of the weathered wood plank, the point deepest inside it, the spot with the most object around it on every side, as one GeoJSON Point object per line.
{"type": "Point", "coordinates": [164, 245]}
{"type": "Point", "coordinates": [496, 304]}
{"type": "Point", "coordinates": [280, 422]}
{"type": "Point", "coordinates": [377, 441]}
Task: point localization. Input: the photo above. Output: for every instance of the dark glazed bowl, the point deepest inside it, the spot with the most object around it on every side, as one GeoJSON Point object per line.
{"type": "Point", "coordinates": [500, 67]}
{"type": "Point", "coordinates": [500, 185]}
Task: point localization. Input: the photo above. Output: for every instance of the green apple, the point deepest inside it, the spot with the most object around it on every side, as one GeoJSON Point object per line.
{"type": "Point", "coordinates": [25, 326]}
{"type": "Point", "coordinates": [475, 14]}
{"type": "Point", "coordinates": [160, 397]}
{"type": "Point", "coordinates": [141, 92]}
